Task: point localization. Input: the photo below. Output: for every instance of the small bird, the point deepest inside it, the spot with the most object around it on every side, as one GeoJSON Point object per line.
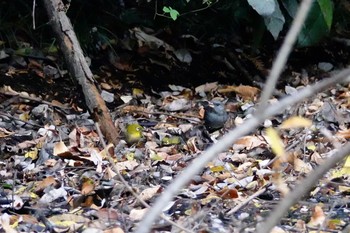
{"type": "Point", "coordinates": [215, 115]}
{"type": "Point", "coordinates": [133, 133]}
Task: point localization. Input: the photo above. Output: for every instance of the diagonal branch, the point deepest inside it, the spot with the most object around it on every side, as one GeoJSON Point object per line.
{"type": "Point", "coordinates": [79, 68]}
{"type": "Point", "coordinates": [301, 189]}
{"type": "Point", "coordinates": [284, 52]}
{"type": "Point", "coordinates": [251, 124]}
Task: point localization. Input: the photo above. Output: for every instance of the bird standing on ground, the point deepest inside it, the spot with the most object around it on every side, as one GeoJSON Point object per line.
{"type": "Point", "coordinates": [215, 115]}
{"type": "Point", "coordinates": [133, 133]}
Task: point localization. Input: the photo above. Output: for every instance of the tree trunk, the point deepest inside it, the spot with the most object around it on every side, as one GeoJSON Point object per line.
{"type": "Point", "coordinates": [79, 68]}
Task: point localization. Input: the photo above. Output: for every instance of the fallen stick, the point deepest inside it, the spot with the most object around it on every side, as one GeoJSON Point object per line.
{"type": "Point", "coordinates": [79, 68]}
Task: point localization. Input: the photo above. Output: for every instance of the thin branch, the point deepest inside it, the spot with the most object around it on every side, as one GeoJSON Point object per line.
{"type": "Point", "coordinates": [256, 194]}
{"type": "Point", "coordinates": [301, 189]}
{"type": "Point", "coordinates": [128, 187]}
{"type": "Point", "coordinates": [33, 13]}
{"type": "Point", "coordinates": [283, 53]}
{"type": "Point", "coordinates": [251, 124]}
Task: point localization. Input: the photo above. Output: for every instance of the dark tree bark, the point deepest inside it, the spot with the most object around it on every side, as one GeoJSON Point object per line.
{"type": "Point", "coordinates": [79, 68]}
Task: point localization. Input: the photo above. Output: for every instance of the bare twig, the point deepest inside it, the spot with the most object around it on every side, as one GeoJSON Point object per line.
{"type": "Point", "coordinates": [17, 119]}
{"type": "Point", "coordinates": [130, 189]}
{"type": "Point", "coordinates": [36, 99]}
{"type": "Point", "coordinates": [33, 13]}
{"type": "Point", "coordinates": [283, 53]}
{"type": "Point", "coordinates": [302, 189]}
{"type": "Point", "coordinates": [261, 114]}
{"type": "Point", "coordinates": [238, 207]}
{"type": "Point", "coordinates": [229, 139]}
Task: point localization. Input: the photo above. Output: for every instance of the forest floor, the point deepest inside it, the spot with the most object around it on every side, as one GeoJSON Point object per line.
{"type": "Point", "coordinates": [55, 175]}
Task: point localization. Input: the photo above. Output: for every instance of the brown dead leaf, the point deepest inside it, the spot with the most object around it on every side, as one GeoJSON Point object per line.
{"type": "Point", "coordinates": [246, 92]}
{"type": "Point", "coordinates": [280, 184]}
{"type": "Point", "coordinates": [60, 148]}
{"type": "Point", "coordinates": [148, 193]}
{"type": "Point", "coordinates": [344, 134]}
{"type": "Point", "coordinates": [317, 218]}
{"type": "Point", "coordinates": [227, 193]}
{"type": "Point", "coordinates": [5, 223]}
{"type": "Point", "coordinates": [114, 230]}
{"type": "Point", "coordinates": [5, 133]}
{"type": "Point", "coordinates": [249, 142]}
{"type": "Point", "coordinates": [48, 181]}
{"type": "Point", "coordinates": [134, 109]}
{"type": "Point", "coordinates": [317, 158]}
{"type": "Point", "coordinates": [110, 173]}
{"type": "Point", "coordinates": [105, 86]}
{"type": "Point", "coordinates": [127, 165]}
{"type": "Point", "coordinates": [174, 104]}
{"type": "Point", "coordinates": [208, 87]}
{"type": "Point", "coordinates": [300, 225]}
{"type": "Point", "coordinates": [301, 166]}
{"type": "Point", "coordinates": [137, 214]}
{"type": "Point", "coordinates": [277, 229]}
{"type": "Point", "coordinates": [88, 186]}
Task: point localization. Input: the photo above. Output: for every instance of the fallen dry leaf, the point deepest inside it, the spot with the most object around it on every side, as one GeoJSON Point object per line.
{"type": "Point", "coordinates": [318, 217]}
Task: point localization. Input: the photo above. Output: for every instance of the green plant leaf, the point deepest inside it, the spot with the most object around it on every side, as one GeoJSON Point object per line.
{"type": "Point", "coordinates": [318, 23]}
{"type": "Point", "coordinates": [274, 22]}
{"type": "Point", "coordinates": [173, 13]}
{"type": "Point", "coordinates": [166, 9]}
{"type": "Point", "coordinates": [326, 7]}
{"type": "Point", "coordinates": [291, 7]}
{"type": "Point", "coordinates": [263, 7]}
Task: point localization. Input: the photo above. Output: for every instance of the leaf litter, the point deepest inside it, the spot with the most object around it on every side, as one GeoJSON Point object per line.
{"type": "Point", "coordinates": [56, 175]}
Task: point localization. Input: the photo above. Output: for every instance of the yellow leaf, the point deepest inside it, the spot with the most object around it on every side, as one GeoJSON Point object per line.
{"type": "Point", "coordinates": [217, 169]}
{"type": "Point", "coordinates": [343, 188]}
{"type": "Point", "coordinates": [24, 116]}
{"type": "Point", "coordinates": [275, 142]}
{"type": "Point", "coordinates": [311, 146]}
{"type": "Point", "coordinates": [33, 154]}
{"type": "Point", "coordinates": [346, 167]}
{"type": "Point", "coordinates": [296, 122]}
{"type": "Point", "coordinates": [136, 92]}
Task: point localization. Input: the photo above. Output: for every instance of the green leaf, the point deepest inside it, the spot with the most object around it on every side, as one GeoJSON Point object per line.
{"type": "Point", "coordinates": [326, 7]}
{"type": "Point", "coordinates": [166, 9]}
{"type": "Point", "coordinates": [263, 7]}
{"type": "Point", "coordinates": [291, 7]}
{"type": "Point", "coordinates": [318, 23]}
{"type": "Point", "coordinates": [274, 22]}
{"type": "Point", "coordinates": [174, 14]}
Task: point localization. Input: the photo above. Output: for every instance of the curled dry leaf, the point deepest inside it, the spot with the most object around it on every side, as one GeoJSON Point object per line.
{"type": "Point", "coordinates": [48, 181]}
{"type": "Point", "coordinates": [227, 193]}
{"type": "Point", "coordinates": [71, 221]}
{"type": "Point", "coordinates": [249, 142]}
{"type": "Point", "coordinates": [137, 214]}
{"type": "Point", "coordinates": [317, 218]}
{"type": "Point", "coordinates": [208, 87]}
{"type": "Point", "coordinates": [301, 166]}
{"type": "Point", "coordinates": [148, 193]}
{"type": "Point", "coordinates": [295, 122]}
{"type": "Point", "coordinates": [88, 186]}
{"type": "Point", "coordinates": [176, 105]}
{"type": "Point", "coordinates": [60, 149]}
{"type": "Point", "coordinates": [275, 142]}
{"type": "Point", "coordinates": [246, 92]}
